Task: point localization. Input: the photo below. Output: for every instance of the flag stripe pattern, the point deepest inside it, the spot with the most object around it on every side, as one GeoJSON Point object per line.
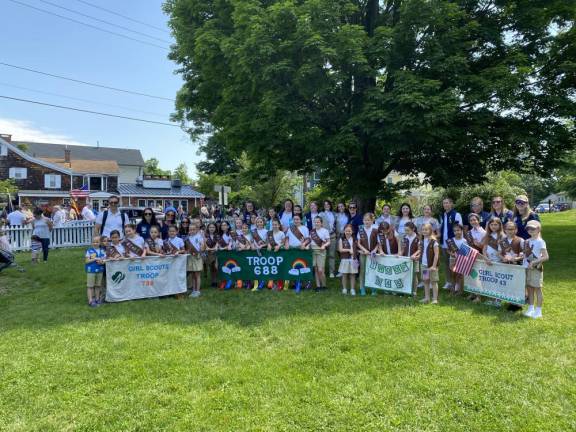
{"type": "Point", "coordinates": [83, 192]}
{"type": "Point", "coordinates": [465, 258]}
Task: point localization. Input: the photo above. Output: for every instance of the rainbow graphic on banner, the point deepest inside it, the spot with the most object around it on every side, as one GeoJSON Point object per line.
{"type": "Point", "coordinates": [299, 266]}
{"type": "Point", "coordinates": [231, 266]}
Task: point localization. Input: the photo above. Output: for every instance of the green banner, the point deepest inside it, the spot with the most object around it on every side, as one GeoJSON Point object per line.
{"type": "Point", "coordinates": [293, 264]}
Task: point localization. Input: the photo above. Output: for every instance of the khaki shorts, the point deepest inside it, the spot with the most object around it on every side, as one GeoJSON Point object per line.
{"type": "Point", "coordinates": [93, 280]}
{"type": "Point", "coordinates": [319, 258]}
{"type": "Point", "coordinates": [194, 263]}
{"type": "Point", "coordinates": [534, 278]}
{"type": "Point", "coordinates": [210, 258]}
{"type": "Point", "coordinates": [433, 274]}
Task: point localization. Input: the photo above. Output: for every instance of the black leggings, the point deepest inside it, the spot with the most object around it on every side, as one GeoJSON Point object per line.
{"type": "Point", "coordinates": [45, 243]}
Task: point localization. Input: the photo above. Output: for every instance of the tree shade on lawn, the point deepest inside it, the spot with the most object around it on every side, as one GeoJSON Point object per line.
{"type": "Point", "coordinates": [236, 360]}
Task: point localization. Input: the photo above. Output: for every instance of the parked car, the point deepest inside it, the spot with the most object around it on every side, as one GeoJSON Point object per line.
{"type": "Point", "coordinates": [562, 206]}
{"type": "Point", "coordinates": [544, 208]}
{"type": "Point", "coordinates": [135, 214]}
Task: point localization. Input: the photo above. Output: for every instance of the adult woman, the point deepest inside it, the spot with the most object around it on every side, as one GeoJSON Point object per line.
{"type": "Point", "coordinates": [386, 216]}
{"type": "Point", "coordinates": [404, 216]}
{"type": "Point", "coordinates": [342, 219]}
{"type": "Point", "coordinates": [500, 211]}
{"type": "Point", "coordinates": [477, 208]}
{"type": "Point", "coordinates": [427, 218]}
{"type": "Point", "coordinates": [286, 214]}
{"type": "Point", "coordinates": [184, 226]}
{"type": "Point", "coordinates": [169, 220]}
{"type": "Point", "coordinates": [41, 227]}
{"type": "Point", "coordinates": [147, 222]}
{"type": "Point", "coordinates": [329, 222]}
{"type": "Point", "coordinates": [522, 215]}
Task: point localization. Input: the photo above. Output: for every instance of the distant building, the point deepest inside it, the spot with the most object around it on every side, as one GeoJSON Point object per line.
{"type": "Point", "coordinates": [559, 198]}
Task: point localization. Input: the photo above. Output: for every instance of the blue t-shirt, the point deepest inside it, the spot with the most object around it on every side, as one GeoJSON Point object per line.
{"type": "Point", "coordinates": [94, 267]}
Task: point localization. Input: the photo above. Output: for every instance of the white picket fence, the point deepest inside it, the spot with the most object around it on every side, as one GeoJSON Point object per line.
{"type": "Point", "coordinates": [77, 233]}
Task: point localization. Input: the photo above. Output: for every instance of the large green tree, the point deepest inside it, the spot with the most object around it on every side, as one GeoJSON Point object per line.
{"type": "Point", "coordinates": [358, 88]}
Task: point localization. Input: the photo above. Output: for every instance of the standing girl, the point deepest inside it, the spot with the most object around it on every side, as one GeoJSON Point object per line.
{"type": "Point", "coordinates": [329, 222]}
{"type": "Point", "coordinates": [41, 227]}
{"type": "Point", "coordinates": [320, 241]}
{"type": "Point", "coordinates": [409, 249]}
{"type": "Point", "coordinates": [348, 260]}
{"type": "Point", "coordinates": [494, 235]}
{"type": "Point", "coordinates": [194, 264]}
{"type": "Point", "coordinates": [535, 253]}
{"type": "Point", "coordinates": [154, 244]}
{"type": "Point", "coordinates": [367, 238]}
{"type": "Point", "coordinates": [173, 245]}
{"type": "Point", "coordinates": [342, 219]}
{"type": "Point", "coordinates": [511, 246]}
{"type": "Point", "coordinates": [225, 242]}
{"type": "Point", "coordinates": [388, 243]}
{"type": "Point", "coordinates": [133, 243]}
{"type": "Point", "coordinates": [475, 235]}
{"type": "Point", "coordinates": [271, 216]}
{"type": "Point", "coordinates": [286, 215]}
{"type": "Point", "coordinates": [453, 245]}
{"type": "Point", "coordinates": [210, 247]}
{"type": "Point", "coordinates": [276, 238]}
{"type": "Point", "coordinates": [429, 254]}
{"type": "Point", "coordinates": [297, 237]}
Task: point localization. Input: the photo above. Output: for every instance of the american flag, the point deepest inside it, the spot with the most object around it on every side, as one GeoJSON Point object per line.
{"type": "Point", "coordinates": [83, 192]}
{"type": "Point", "coordinates": [465, 258]}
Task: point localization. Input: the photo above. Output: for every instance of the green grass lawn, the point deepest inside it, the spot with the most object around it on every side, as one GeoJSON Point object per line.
{"type": "Point", "coordinates": [273, 361]}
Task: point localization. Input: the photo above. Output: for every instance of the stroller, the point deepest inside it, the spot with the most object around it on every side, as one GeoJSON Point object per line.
{"type": "Point", "coordinates": [6, 255]}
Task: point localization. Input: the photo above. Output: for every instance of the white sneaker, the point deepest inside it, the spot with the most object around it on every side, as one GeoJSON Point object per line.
{"type": "Point", "coordinates": [529, 313]}
{"type": "Point", "coordinates": [352, 292]}
{"type": "Point", "coordinates": [447, 285]}
{"type": "Point", "coordinates": [339, 275]}
{"type": "Point", "coordinates": [195, 294]}
{"type": "Point", "coordinates": [331, 275]}
{"type": "Point", "coordinates": [537, 314]}
{"type": "Point", "coordinates": [420, 285]}
{"type": "Point", "coordinates": [344, 291]}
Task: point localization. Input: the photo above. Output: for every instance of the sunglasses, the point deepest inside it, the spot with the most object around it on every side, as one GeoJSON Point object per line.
{"type": "Point", "coordinates": [113, 202]}
{"type": "Point", "coordinates": [530, 229]}
{"type": "Point", "coordinates": [147, 214]}
{"type": "Point", "coordinates": [521, 202]}
{"type": "Point", "coordinates": [352, 207]}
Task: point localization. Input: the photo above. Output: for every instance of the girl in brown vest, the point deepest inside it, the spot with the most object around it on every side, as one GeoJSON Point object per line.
{"type": "Point", "coordinates": [428, 254]}
{"type": "Point", "coordinates": [511, 246]}
{"type": "Point", "coordinates": [348, 260]}
{"type": "Point", "coordinates": [409, 245]}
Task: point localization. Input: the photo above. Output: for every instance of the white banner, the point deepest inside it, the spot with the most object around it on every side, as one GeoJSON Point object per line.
{"type": "Point", "coordinates": [501, 281]}
{"type": "Point", "coordinates": [389, 273]}
{"type": "Point", "coordinates": [137, 278]}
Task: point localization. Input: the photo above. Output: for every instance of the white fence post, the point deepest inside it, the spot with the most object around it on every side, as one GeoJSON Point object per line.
{"type": "Point", "coordinates": [72, 234]}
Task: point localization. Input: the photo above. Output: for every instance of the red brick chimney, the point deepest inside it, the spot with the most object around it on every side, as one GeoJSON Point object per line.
{"type": "Point", "coordinates": [67, 155]}
{"type": "Point", "coordinates": [6, 137]}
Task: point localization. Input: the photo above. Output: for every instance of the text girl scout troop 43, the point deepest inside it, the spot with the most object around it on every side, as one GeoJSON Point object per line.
{"type": "Point", "coordinates": [499, 236]}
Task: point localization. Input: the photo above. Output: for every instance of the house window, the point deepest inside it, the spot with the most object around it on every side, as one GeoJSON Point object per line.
{"type": "Point", "coordinates": [3, 150]}
{"type": "Point", "coordinates": [95, 183]}
{"type": "Point", "coordinates": [18, 173]}
{"type": "Point", "coordinates": [141, 203]}
{"type": "Point", "coordinates": [52, 181]}
{"type": "Point", "coordinates": [389, 180]}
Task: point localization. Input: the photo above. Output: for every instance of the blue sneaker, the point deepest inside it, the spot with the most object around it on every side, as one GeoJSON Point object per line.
{"type": "Point", "coordinates": [374, 292]}
{"type": "Point", "coordinates": [298, 287]}
{"type": "Point", "coordinates": [362, 291]}
{"type": "Point", "coordinates": [93, 304]}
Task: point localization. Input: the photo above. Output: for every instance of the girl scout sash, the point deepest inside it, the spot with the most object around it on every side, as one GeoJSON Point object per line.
{"type": "Point", "coordinates": [131, 247]}
{"type": "Point", "coordinates": [257, 239]}
{"type": "Point", "coordinates": [242, 239]}
{"type": "Point", "coordinates": [346, 245]}
{"type": "Point", "coordinates": [189, 246]}
{"type": "Point", "coordinates": [314, 235]}
{"type": "Point", "coordinates": [529, 254]}
{"type": "Point", "coordinates": [510, 247]}
{"type": "Point", "coordinates": [112, 252]}
{"type": "Point", "coordinates": [271, 240]}
{"type": "Point", "coordinates": [368, 243]}
{"type": "Point", "coordinates": [222, 242]}
{"type": "Point", "coordinates": [234, 235]}
{"type": "Point", "coordinates": [452, 248]}
{"type": "Point", "coordinates": [169, 248]}
{"type": "Point", "coordinates": [298, 234]}
{"type": "Point", "coordinates": [211, 242]}
{"type": "Point", "coordinates": [469, 239]}
{"type": "Point", "coordinates": [492, 242]}
{"type": "Point", "coordinates": [152, 245]}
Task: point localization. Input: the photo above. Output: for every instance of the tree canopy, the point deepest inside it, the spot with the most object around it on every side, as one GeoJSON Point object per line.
{"type": "Point", "coordinates": [151, 167]}
{"type": "Point", "coordinates": [453, 89]}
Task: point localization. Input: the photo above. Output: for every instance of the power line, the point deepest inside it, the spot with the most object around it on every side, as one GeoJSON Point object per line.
{"type": "Point", "coordinates": [123, 16]}
{"type": "Point", "coordinates": [89, 25]}
{"type": "Point", "coordinates": [103, 21]}
{"type": "Point", "coordinates": [89, 112]}
{"type": "Point", "coordinates": [81, 99]}
{"type": "Point", "coordinates": [86, 82]}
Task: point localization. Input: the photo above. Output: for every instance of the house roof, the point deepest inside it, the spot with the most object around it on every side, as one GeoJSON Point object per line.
{"type": "Point", "coordinates": [185, 191]}
{"type": "Point", "coordinates": [123, 156]}
{"type": "Point", "coordinates": [87, 166]}
{"type": "Point", "coordinates": [24, 155]}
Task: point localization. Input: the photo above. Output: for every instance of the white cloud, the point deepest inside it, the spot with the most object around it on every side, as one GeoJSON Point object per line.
{"type": "Point", "coordinates": [23, 130]}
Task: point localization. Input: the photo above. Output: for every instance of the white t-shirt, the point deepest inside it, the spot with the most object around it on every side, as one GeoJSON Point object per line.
{"type": "Point", "coordinates": [88, 214]}
{"type": "Point", "coordinates": [41, 227]}
{"type": "Point", "coordinates": [537, 246]}
{"type": "Point", "coordinates": [262, 233]}
{"type": "Point", "coordinates": [493, 254]}
{"type": "Point", "coordinates": [279, 237]}
{"type": "Point", "coordinates": [410, 241]}
{"type": "Point", "coordinates": [159, 243]}
{"type": "Point", "coordinates": [177, 242]}
{"type": "Point", "coordinates": [16, 218]}
{"type": "Point", "coordinates": [328, 220]}
{"type": "Point", "coordinates": [138, 241]}
{"type": "Point", "coordinates": [341, 221]}
{"type": "Point", "coordinates": [401, 223]}
{"type": "Point", "coordinates": [459, 242]}
{"type": "Point", "coordinates": [119, 248]}
{"type": "Point", "coordinates": [59, 219]}
{"type": "Point", "coordinates": [293, 241]}
{"type": "Point", "coordinates": [457, 218]}
{"type": "Point", "coordinates": [286, 220]}
{"type": "Point", "coordinates": [113, 222]}
{"type": "Point", "coordinates": [478, 233]}
{"type": "Point", "coordinates": [324, 236]}
{"type": "Point", "coordinates": [424, 249]}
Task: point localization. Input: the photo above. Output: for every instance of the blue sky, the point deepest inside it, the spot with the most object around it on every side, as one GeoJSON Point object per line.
{"type": "Point", "coordinates": [35, 40]}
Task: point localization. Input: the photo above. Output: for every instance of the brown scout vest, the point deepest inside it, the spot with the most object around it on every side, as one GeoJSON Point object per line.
{"type": "Point", "coordinates": [368, 243]}
{"type": "Point", "coordinates": [413, 247]}
{"type": "Point", "coordinates": [346, 245]}
{"type": "Point", "coordinates": [429, 251]}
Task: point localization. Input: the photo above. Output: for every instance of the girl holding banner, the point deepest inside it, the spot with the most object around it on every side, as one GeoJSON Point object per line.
{"type": "Point", "coordinates": [194, 246]}
{"type": "Point", "coordinates": [429, 254]}
{"type": "Point", "coordinates": [320, 241]}
{"type": "Point", "coordinates": [535, 253]}
{"type": "Point", "coordinates": [211, 246]}
{"type": "Point", "coordinates": [367, 238]}
{"type": "Point", "coordinates": [276, 239]}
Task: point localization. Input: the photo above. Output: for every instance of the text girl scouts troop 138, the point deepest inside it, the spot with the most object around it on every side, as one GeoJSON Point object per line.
{"type": "Point", "coordinates": [500, 235]}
